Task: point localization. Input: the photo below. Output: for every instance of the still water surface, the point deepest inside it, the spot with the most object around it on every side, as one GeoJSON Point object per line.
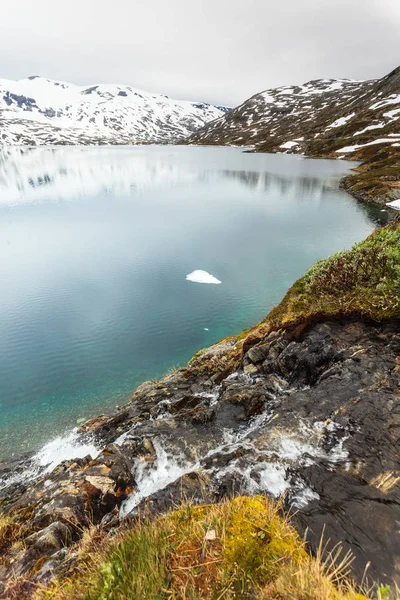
{"type": "Point", "coordinates": [95, 247]}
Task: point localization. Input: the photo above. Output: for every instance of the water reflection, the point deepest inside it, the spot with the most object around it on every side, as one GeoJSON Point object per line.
{"type": "Point", "coordinates": [29, 175]}
{"type": "Point", "coordinates": [304, 187]}
{"type": "Point", "coordinates": [285, 184]}
{"type": "Point", "coordinates": [95, 246]}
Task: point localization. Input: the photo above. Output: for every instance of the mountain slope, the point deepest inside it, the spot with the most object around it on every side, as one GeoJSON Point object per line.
{"type": "Point", "coordinates": [325, 118]}
{"type": "Point", "coordinates": [322, 118]}
{"type": "Point", "coordinates": [41, 111]}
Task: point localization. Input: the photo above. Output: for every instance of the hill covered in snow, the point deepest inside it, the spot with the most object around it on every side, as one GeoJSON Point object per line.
{"type": "Point", "coordinates": [325, 117]}
{"type": "Point", "coordinates": [41, 111]}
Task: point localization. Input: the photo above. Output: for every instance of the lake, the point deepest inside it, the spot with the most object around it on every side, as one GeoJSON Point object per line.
{"type": "Point", "coordinates": [96, 244]}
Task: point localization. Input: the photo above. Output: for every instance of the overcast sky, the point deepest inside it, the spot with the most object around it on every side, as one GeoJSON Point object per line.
{"type": "Point", "coordinates": [221, 51]}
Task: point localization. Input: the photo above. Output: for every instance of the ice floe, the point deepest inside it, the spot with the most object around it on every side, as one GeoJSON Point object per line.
{"type": "Point", "coordinates": [200, 276]}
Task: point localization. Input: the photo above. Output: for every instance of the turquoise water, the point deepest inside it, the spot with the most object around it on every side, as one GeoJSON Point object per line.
{"type": "Point", "coordinates": [95, 246]}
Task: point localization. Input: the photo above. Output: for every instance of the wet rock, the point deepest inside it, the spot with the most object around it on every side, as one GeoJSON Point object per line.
{"type": "Point", "coordinates": [50, 539]}
{"type": "Point", "coordinates": [221, 375]}
{"type": "Point", "coordinates": [327, 435]}
{"type": "Point", "coordinates": [259, 353]}
{"type": "Point", "coordinates": [47, 542]}
{"type": "Point", "coordinates": [251, 399]}
{"type": "Point", "coordinates": [110, 521]}
{"type": "Point", "coordinates": [185, 403]}
{"type": "Point", "coordinates": [303, 361]}
{"type": "Point", "coordinates": [193, 487]}
{"type": "Point", "coordinates": [52, 566]}
{"type": "Point", "coordinates": [203, 416]}
{"type": "Point", "coordinates": [250, 369]}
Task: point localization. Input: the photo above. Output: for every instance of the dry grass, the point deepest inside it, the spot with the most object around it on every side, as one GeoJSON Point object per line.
{"type": "Point", "coordinates": [9, 532]}
{"type": "Point", "coordinates": [243, 548]}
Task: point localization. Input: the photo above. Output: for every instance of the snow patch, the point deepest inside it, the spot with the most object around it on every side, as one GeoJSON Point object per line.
{"type": "Point", "coordinates": [378, 126]}
{"type": "Point", "coordinates": [392, 114]}
{"type": "Point", "coordinates": [289, 145]}
{"type": "Point", "coordinates": [357, 146]}
{"type": "Point", "coordinates": [341, 121]}
{"type": "Point", "coordinates": [393, 99]}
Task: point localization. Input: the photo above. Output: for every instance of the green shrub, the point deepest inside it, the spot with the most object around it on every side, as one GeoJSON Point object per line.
{"type": "Point", "coordinates": [364, 280]}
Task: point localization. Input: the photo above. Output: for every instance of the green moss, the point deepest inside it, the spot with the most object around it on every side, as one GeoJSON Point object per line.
{"type": "Point", "coordinates": [257, 539]}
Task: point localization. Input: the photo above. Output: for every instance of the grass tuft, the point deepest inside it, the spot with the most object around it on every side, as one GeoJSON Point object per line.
{"type": "Point", "coordinates": [238, 549]}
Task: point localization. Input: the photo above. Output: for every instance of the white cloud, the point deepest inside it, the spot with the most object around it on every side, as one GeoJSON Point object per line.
{"type": "Point", "coordinates": [217, 51]}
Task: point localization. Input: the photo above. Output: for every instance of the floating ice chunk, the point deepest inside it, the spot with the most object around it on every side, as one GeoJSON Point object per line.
{"type": "Point", "coordinates": [206, 329]}
{"type": "Point", "coordinates": [199, 276]}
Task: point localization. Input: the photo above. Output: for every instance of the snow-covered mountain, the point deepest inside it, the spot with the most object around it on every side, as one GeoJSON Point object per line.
{"type": "Point", "coordinates": [326, 117]}
{"type": "Point", "coordinates": [41, 111]}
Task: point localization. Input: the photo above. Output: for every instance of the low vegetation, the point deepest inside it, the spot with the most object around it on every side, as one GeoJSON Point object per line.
{"type": "Point", "coordinates": [364, 281]}
{"type": "Point", "coordinates": [243, 548]}
{"type": "Point", "coordinates": [377, 179]}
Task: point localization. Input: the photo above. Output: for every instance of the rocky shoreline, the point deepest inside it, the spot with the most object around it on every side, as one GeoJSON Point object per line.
{"type": "Point", "coordinates": [312, 413]}
{"type": "Point", "coordinates": [306, 409]}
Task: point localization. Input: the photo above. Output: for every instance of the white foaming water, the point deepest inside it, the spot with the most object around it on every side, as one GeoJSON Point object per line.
{"type": "Point", "coordinates": [200, 276]}
{"type": "Point", "coordinates": [211, 396]}
{"type": "Point", "coordinates": [272, 479]}
{"type": "Point", "coordinates": [151, 478]}
{"type": "Point", "coordinates": [304, 496]}
{"type": "Point", "coordinates": [63, 448]}
{"type": "Point", "coordinates": [271, 464]}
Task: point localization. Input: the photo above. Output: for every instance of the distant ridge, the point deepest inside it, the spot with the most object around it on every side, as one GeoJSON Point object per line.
{"type": "Point", "coordinates": [39, 111]}
{"type": "Point", "coordinates": [322, 118]}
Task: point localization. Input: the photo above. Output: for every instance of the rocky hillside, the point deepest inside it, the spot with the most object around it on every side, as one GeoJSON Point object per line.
{"type": "Point", "coordinates": [305, 406]}
{"type": "Point", "coordinates": [40, 111]}
{"type": "Point", "coordinates": [328, 118]}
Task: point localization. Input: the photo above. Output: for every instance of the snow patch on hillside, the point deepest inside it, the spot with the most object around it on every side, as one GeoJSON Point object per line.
{"type": "Point", "coordinates": [43, 111]}
{"type": "Point", "coordinates": [341, 121]}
